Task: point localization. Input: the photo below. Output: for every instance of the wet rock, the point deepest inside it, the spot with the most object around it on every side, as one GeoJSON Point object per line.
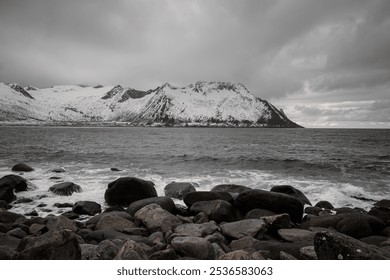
{"type": "Point", "coordinates": [324, 204]}
{"type": "Point", "coordinates": [290, 190]}
{"type": "Point", "coordinates": [114, 222]}
{"type": "Point", "coordinates": [217, 210]}
{"type": "Point", "coordinates": [22, 167]}
{"type": "Point", "coordinates": [231, 188]}
{"type": "Point", "coordinates": [63, 205]}
{"type": "Point", "coordinates": [115, 169]}
{"type": "Point", "coordinates": [60, 223]}
{"type": "Point", "coordinates": [54, 245]}
{"type": "Point", "coordinates": [32, 213]}
{"type": "Point", "coordinates": [136, 231]}
{"type": "Point", "coordinates": [382, 213]}
{"type": "Point", "coordinates": [277, 222]}
{"type": "Point", "coordinates": [276, 247]}
{"type": "Point", "coordinates": [241, 255]}
{"type": "Point", "coordinates": [37, 229]}
{"type": "Point", "coordinates": [4, 228]}
{"type": "Point", "coordinates": [346, 210]}
{"type": "Point", "coordinates": [286, 256]}
{"type": "Point", "coordinates": [179, 189]}
{"type": "Point", "coordinates": [297, 235]}
{"type": "Point", "coordinates": [308, 253]}
{"type": "Point", "coordinates": [313, 210]}
{"type": "Point", "coordinates": [167, 254]}
{"type": "Point", "coordinates": [126, 190]}
{"type": "Point", "coordinates": [18, 183]}
{"type": "Point", "coordinates": [276, 202]}
{"type": "Point", "coordinates": [55, 178]}
{"type": "Point", "coordinates": [65, 189]}
{"type": "Point", "coordinates": [194, 247]}
{"type": "Point", "coordinates": [376, 240]}
{"type": "Point", "coordinates": [106, 250]}
{"type": "Point", "coordinates": [95, 219]}
{"type": "Point", "coordinates": [258, 213]}
{"type": "Point", "coordinates": [200, 218]}
{"type": "Point", "coordinates": [246, 243]}
{"type": "Point", "coordinates": [248, 227]}
{"type": "Point", "coordinates": [17, 232]}
{"type": "Point", "coordinates": [23, 200]}
{"type": "Point", "coordinates": [337, 246]}
{"type": "Point", "coordinates": [87, 208]}
{"type": "Point", "coordinates": [58, 170]}
{"type": "Point", "coordinates": [199, 230]}
{"type": "Point", "coordinates": [355, 225]}
{"type": "Point", "coordinates": [165, 202]}
{"type": "Point", "coordinates": [88, 251]}
{"type": "Point", "coordinates": [131, 250]}
{"type": "Point", "coordinates": [193, 197]}
{"type": "Point", "coordinates": [98, 236]}
{"type": "Point", "coordinates": [71, 215]}
{"type": "Point", "coordinates": [6, 253]}
{"type": "Point", "coordinates": [4, 205]}
{"type": "Point", "coordinates": [9, 241]}
{"type": "Point", "coordinates": [157, 219]}
{"type": "Point", "coordinates": [8, 217]}
{"type": "Point", "coordinates": [384, 203]}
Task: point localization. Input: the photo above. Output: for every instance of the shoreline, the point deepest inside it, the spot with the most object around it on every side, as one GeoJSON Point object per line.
{"type": "Point", "coordinates": [227, 222]}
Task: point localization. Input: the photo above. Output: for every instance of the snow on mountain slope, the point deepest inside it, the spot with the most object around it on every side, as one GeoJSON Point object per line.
{"type": "Point", "coordinates": [202, 103]}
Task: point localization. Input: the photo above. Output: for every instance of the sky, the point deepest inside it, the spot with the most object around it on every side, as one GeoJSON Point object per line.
{"type": "Point", "coordinates": [325, 62]}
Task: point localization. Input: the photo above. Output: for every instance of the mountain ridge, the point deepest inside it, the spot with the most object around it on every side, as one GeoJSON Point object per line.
{"type": "Point", "coordinates": [213, 104]}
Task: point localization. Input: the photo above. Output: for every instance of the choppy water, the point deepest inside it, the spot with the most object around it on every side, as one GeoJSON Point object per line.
{"type": "Point", "coordinates": [332, 164]}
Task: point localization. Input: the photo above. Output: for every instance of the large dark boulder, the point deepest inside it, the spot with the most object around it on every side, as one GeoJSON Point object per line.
{"type": "Point", "coordinates": [337, 246]}
{"type": "Point", "coordinates": [231, 188]}
{"type": "Point", "coordinates": [193, 247]}
{"type": "Point", "coordinates": [126, 190]}
{"type": "Point", "coordinates": [65, 189]}
{"type": "Point", "coordinates": [164, 201]}
{"type": "Point", "coordinates": [352, 224]}
{"type": "Point", "coordinates": [381, 210]}
{"type": "Point", "coordinates": [324, 204]}
{"type": "Point", "coordinates": [216, 210]}
{"type": "Point", "coordinates": [19, 184]}
{"type": "Point", "coordinates": [22, 167]}
{"type": "Point", "coordinates": [276, 202]}
{"type": "Point", "coordinates": [54, 245]}
{"type": "Point", "coordinates": [157, 219]}
{"type": "Point", "coordinates": [179, 189]}
{"type": "Point", "coordinates": [193, 197]}
{"type": "Point", "coordinates": [87, 208]}
{"type": "Point", "coordinates": [8, 218]}
{"type": "Point", "coordinates": [10, 184]}
{"type": "Point", "coordinates": [290, 190]}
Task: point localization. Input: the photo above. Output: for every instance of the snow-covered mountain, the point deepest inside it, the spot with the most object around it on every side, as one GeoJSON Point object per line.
{"type": "Point", "coordinates": [199, 104]}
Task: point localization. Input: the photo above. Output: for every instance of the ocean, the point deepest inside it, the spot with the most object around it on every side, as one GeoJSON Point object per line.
{"type": "Point", "coordinates": [348, 167]}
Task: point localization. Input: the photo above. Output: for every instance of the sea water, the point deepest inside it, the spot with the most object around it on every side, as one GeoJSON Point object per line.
{"type": "Point", "coordinates": [347, 167]}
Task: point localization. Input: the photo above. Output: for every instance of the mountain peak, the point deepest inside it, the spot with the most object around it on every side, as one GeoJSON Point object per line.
{"type": "Point", "coordinates": [19, 89]}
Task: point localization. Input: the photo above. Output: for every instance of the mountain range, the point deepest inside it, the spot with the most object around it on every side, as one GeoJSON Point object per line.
{"type": "Point", "coordinates": [199, 104]}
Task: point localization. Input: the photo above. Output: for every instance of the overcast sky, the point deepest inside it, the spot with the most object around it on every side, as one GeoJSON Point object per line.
{"type": "Point", "coordinates": [325, 62]}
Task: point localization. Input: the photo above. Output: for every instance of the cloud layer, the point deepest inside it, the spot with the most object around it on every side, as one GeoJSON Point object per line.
{"type": "Point", "coordinates": [300, 54]}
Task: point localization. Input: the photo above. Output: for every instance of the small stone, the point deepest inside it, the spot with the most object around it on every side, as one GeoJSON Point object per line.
{"type": "Point", "coordinates": [22, 167]}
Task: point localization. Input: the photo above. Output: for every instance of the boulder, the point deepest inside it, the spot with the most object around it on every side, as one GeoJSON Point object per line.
{"type": "Point", "coordinates": [324, 204]}
{"type": "Point", "coordinates": [246, 243]}
{"type": "Point", "coordinates": [107, 249]}
{"type": "Point", "coordinates": [179, 189]}
{"type": "Point", "coordinates": [352, 224]}
{"type": "Point", "coordinates": [164, 201]}
{"type": "Point", "coordinates": [65, 189]}
{"type": "Point", "coordinates": [7, 193]}
{"type": "Point", "coordinates": [297, 235]}
{"type": "Point", "coordinates": [308, 253]}
{"type": "Point", "coordinates": [54, 245]}
{"type": "Point", "coordinates": [59, 223]}
{"type": "Point", "coordinates": [248, 227]}
{"type": "Point", "coordinates": [58, 170]}
{"type": "Point", "coordinates": [384, 203]}
{"type": "Point", "coordinates": [4, 205]}
{"type": "Point", "coordinates": [258, 213]}
{"type": "Point", "coordinates": [157, 219]}
{"type": "Point", "coordinates": [382, 213]}
{"type": "Point", "coordinates": [6, 253]}
{"type": "Point", "coordinates": [277, 222]}
{"type": "Point", "coordinates": [22, 167]}
{"type": "Point", "coordinates": [313, 210]}
{"type": "Point", "coordinates": [8, 218]}
{"type": "Point", "coordinates": [290, 190]}
{"type": "Point", "coordinates": [87, 208]}
{"type": "Point", "coordinates": [337, 246]}
{"type": "Point", "coordinates": [10, 241]}
{"type": "Point", "coordinates": [126, 190]}
{"type": "Point", "coordinates": [276, 202]}
{"type": "Point", "coordinates": [193, 197]}
{"type": "Point", "coordinates": [217, 210]}
{"type": "Point", "coordinates": [98, 236]}
{"type": "Point", "coordinates": [18, 183]}
{"type": "Point", "coordinates": [95, 219]}
{"type": "Point", "coordinates": [230, 188]}
{"type": "Point", "coordinates": [274, 248]}
{"type": "Point", "coordinates": [131, 250]}
{"type": "Point", "coordinates": [376, 240]}
{"type": "Point", "coordinates": [199, 230]}
{"type": "Point", "coordinates": [193, 247]}
{"type": "Point", "coordinates": [167, 254]}
{"type": "Point", "coordinates": [88, 251]}
{"type": "Point", "coordinates": [114, 222]}
{"type": "Point", "coordinates": [241, 255]}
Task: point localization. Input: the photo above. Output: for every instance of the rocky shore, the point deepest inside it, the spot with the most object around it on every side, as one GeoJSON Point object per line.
{"type": "Point", "coordinates": [229, 222]}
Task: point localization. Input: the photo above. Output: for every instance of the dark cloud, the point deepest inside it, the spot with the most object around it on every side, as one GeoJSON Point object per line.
{"type": "Point", "coordinates": [324, 50]}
